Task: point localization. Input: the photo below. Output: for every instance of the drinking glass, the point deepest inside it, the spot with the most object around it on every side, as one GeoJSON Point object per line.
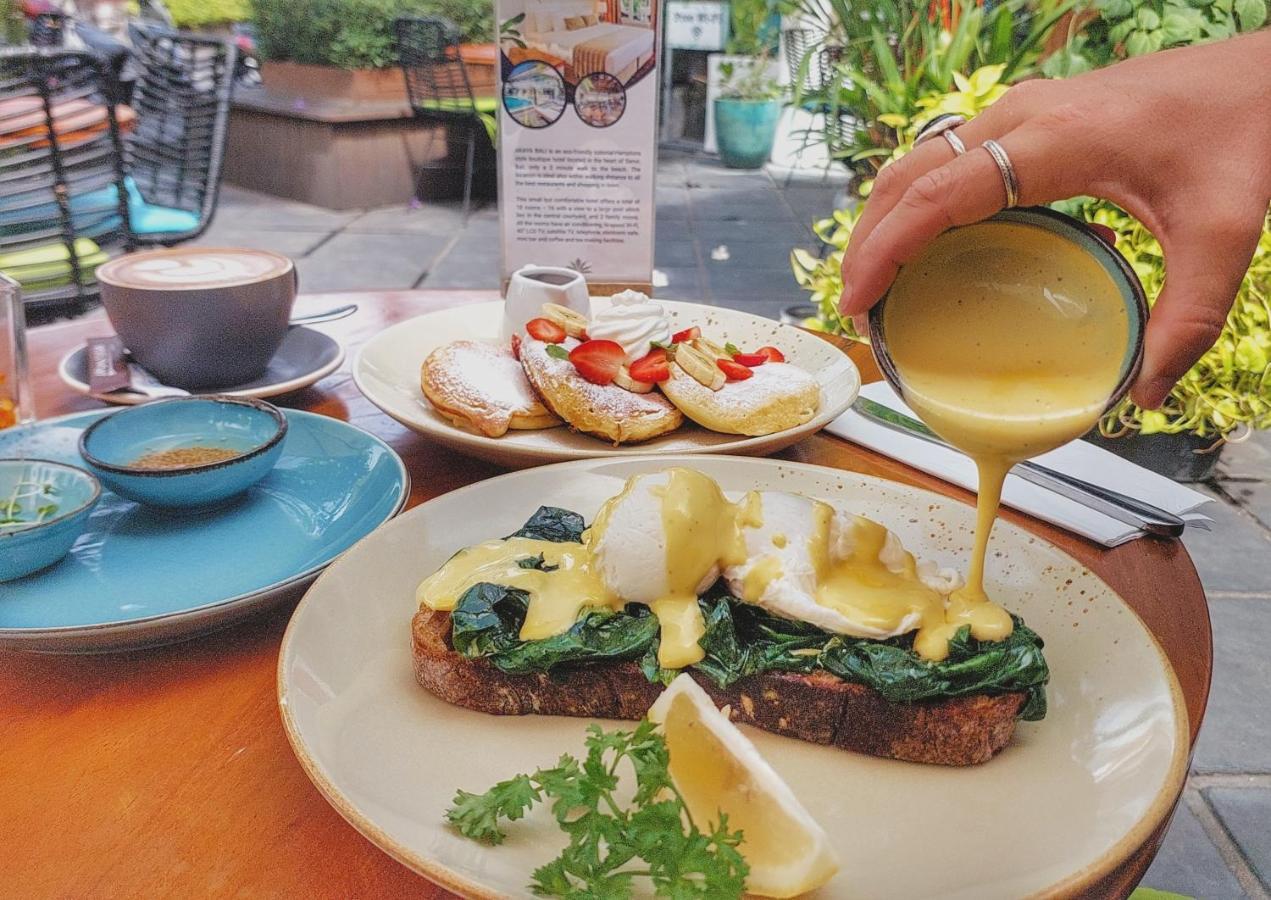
{"type": "Point", "coordinates": [15, 389]}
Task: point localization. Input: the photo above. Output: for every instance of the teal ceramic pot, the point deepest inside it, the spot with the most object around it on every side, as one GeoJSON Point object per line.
{"type": "Point", "coordinates": [745, 131]}
{"type": "Point", "coordinates": [252, 429]}
{"type": "Point", "coordinates": [68, 494]}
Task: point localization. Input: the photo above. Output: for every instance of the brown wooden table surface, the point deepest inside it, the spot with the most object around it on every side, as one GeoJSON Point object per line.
{"type": "Point", "coordinates": [166, 772]}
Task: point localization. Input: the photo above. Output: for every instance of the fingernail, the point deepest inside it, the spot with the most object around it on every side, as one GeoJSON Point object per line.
{"type": "Point", "coordinates": [845, 298]}
{"type": "Point", "coordinates": [1154, 392]}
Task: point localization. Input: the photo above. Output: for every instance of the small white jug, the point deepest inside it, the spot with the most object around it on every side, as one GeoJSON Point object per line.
{"type": "Point", "coordinates": [531, 286]}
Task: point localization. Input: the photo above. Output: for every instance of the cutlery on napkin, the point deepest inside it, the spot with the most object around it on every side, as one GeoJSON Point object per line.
{"type": "Point", "coordinates": [1078, 459]}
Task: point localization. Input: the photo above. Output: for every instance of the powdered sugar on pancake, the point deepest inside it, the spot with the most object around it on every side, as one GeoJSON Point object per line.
{"type": "Point", "coordinates": [768, 384]}
{"type": "Point", "coordinates": [602, 409]}
{"type": "Point", "coordinates": [775, 397]}
{"type": "Point", "coordinates": [483, 383]}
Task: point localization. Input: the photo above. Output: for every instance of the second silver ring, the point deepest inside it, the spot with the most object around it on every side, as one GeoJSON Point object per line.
{"type": "Point", "coordinates": [1010, 180]}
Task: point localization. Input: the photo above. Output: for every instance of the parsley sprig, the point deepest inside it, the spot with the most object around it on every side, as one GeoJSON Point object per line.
{"type": "Point", "coordinates": [611, 845]}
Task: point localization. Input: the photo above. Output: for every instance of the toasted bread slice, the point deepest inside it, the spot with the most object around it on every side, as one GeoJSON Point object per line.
{"type": "Point", "coordinates": [818, 707]}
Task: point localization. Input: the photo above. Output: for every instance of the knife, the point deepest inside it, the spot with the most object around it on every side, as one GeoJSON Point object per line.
{"type": "Point", "coordinates": [1123, 508]}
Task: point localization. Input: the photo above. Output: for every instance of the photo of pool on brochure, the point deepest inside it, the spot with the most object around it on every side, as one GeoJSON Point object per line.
{"type": "Point", "coordinates": [577, 137]}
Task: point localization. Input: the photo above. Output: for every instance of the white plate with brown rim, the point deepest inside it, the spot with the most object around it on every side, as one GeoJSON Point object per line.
{"type": "Point", "coordinates": [1067, 801]}
{"type": "Point", "coordinates": [386, 370]}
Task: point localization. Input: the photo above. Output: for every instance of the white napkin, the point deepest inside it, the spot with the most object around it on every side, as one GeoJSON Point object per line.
{"type": "Point", "coordinates": [1079, 458]}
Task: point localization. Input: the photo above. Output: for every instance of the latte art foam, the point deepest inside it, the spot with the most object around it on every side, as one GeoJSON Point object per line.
{"type": "Point", "coordinates": [195, 267]}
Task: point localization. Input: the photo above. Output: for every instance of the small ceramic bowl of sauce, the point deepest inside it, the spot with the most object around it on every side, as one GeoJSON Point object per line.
{"type": "Point", "coordinates": [44, 508]}
{"type": "Point", "coordinates": [185, 452]}
{"type": "Point", "coordinates": [1008, 338]}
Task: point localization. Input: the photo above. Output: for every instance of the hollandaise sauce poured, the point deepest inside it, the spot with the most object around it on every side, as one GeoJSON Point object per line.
{"type": "Point", "coordinates": [669, 535]}
{"type": "Point", "coordinates": [1009, 341]}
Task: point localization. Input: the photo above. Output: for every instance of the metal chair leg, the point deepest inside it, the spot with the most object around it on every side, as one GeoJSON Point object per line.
{"type": "Point", "coordinates": [467, 172]}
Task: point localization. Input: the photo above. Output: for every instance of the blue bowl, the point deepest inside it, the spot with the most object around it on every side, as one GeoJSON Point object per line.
{"type": "Point", "coordinates": [51, 502]}
{"type": "Point", "coordinates": [252, 429]}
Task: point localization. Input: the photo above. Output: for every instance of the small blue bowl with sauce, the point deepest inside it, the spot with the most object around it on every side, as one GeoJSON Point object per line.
{"type": "Point", "coordinates": [44, 508]}
{"type": "Point", "coordinates": [185, 452]}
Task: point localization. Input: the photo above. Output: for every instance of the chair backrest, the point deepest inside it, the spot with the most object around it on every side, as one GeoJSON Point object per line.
{"type": "Point", "coordinates": [182, 101]}
{"type": "Point", "coordinates": [63, 206]}
{"type": "Point", "coordinates": [436, 77]}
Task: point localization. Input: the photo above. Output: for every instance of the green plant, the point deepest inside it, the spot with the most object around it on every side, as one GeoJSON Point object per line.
{"type": "Point", "coordinates": [510, 31]}
{"type": "Point", "coordinates": [891, 55]}
{"type": "Point", "coordinates": [751, 32]}
{"type": "Point", "coordinates": [751, 80]}
{"type": "Point", "coordinates": [1134, 27]}
{"type": "Point", "coordinates": [205, 13]}
{"type": "Point", "coordinates": [822, 277]}
{"type": "Point", "coordinates": [607, 832]}
{"type": "Point", "coordinates": [354, 34]}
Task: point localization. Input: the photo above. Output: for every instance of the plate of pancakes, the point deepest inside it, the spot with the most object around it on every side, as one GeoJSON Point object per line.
{"type": "Point", "coordinates": [450, 376]}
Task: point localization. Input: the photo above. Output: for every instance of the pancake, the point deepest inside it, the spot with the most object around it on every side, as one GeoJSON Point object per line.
{"type": "Point", "coordinates": [603, 410]}
{"type": "Point", "coordinates": [777, 396]}
{"type": "Point", "coordinates": [482, 387]}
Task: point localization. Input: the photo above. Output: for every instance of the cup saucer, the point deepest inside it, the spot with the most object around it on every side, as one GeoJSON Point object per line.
{"type": "Point", "coordinates": [304, 357]}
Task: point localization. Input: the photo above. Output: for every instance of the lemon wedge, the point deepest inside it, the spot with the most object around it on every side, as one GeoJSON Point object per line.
{"type": "Point", "coordinates": [717, 769]}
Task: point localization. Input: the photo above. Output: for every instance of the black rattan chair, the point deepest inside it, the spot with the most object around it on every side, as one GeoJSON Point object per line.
{"type": "Point", "coordinates": [175, 154]}
{"type": "Point", "coordinates": [438, 86]}
{"type": "Point", "coordinates": [62, 199]}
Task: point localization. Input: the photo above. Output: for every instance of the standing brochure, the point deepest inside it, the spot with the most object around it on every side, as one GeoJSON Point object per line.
{"type": "Point", "coordinates": [578, 137]}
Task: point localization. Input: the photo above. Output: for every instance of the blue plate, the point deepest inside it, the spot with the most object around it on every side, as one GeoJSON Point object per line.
{"type": "Point", "coordinates": [141, 577]}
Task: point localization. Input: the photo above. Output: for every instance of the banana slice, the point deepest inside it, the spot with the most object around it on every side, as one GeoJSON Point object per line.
{"type": "Point", "coordinates": [700, 366]}
{"type": "Point", "coordinates": [710, 348]}
{"type": "Point", "coordinates": [624, 380]}
{"type": "Point", "coordinates": [574, 323]}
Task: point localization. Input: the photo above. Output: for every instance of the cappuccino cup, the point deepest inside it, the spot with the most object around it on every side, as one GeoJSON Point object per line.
{"type": "Point", "coordinates": [200, 317]}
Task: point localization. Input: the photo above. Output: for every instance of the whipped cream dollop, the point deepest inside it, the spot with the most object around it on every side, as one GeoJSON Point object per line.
{"type": "Point", "coordinates": [633, 321]}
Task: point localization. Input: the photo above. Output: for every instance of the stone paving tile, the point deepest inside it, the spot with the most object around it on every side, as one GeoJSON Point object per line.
{"type": "Point", "coordinates": [224, 233]}
{"type": "Point", "coordinates": [671, 229]}
{"type": "Point", "coordinates": [732, 206]}
{"type": "Point", "coordinates": [681, 284]}
{"type": "Point", "coordinates": [1254, 496]}
{"type": "Point", "coordinates": [1246, 814]}
{"type": "Point", "coordinates": [1250, 458]}
{"type": "Point", "coordinates": [1236, 555]}
{"type": "Point", "coordinates": [1190, 864]}
{"type": "Point", "coordinates": [785, 232]}
{"type": "Point", "coordinates": [468, 264]}
{"type": "Point", "coordinates": [739, 284]}
{"type": "Point", "coordinates": [369, 261]}
{"type": "Point", "coordinates": [249, 209]}
{"type": "Point", "coordinates": [671, 203]}
{"type": "Point", "coordinates": [728, 179]}
{"type": "Point", "coordinates": [432, 218]}
{"type": "Point", "coordinates": [1234, 737]}
{"type": "Point", "coordinates": [678, 253]}
{"type": "Point", "coordinates": [744, 254]}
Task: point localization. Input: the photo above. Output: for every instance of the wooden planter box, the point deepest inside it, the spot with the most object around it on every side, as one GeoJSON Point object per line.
{"type": "Point", "coordinates": [289, 79]}
{"type": "Point", "coordinates": [301, 80]}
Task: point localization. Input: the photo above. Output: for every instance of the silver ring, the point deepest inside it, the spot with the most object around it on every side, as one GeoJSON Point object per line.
{"type": "Point", "coordinates": [1009, 179]}
{"type": "Point", "coordinates": [939, 125]}
{"type": "Point", "coordinates": [954, 141]}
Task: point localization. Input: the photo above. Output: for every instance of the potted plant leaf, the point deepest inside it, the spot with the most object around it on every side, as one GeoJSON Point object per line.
{"type": "Point", "coordinates": [748, 106]}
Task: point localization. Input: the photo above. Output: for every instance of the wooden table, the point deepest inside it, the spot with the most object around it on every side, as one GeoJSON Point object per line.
{"type": "Point", "coordinates": [166, 772]}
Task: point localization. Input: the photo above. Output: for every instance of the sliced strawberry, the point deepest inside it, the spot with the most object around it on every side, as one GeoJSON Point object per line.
{"type": "Point", "coordinates": [545, 330]}
{"type": "Point", "coordinates": [686, 335]}
{"type": "Point", "coordinates": [734, 370]}
{"type": "Point", "coordinates": [516, 346]}
{"type": "Point", "coordinates": [651, 368]}
{"type": "Point", "coordinates": [772, 354]}
{"type": "Point", "coordinates": [750, 360]}
{"type": "Point", "coordinates": [598, 361]}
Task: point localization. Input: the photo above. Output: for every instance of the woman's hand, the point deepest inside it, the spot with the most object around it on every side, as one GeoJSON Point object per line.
{"type": "Point", "coordinates": [1180, 139]}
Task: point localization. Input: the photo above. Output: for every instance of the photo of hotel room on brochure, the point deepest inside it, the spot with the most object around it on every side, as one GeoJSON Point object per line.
{"type": "Point", "coordinates": [583, 52]}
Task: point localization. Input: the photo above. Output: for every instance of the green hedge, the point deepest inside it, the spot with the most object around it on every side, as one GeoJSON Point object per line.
{"type": "Point", "coordinates": [355, 34]}
{"type": "Point", "coordinates": [203, 13]}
